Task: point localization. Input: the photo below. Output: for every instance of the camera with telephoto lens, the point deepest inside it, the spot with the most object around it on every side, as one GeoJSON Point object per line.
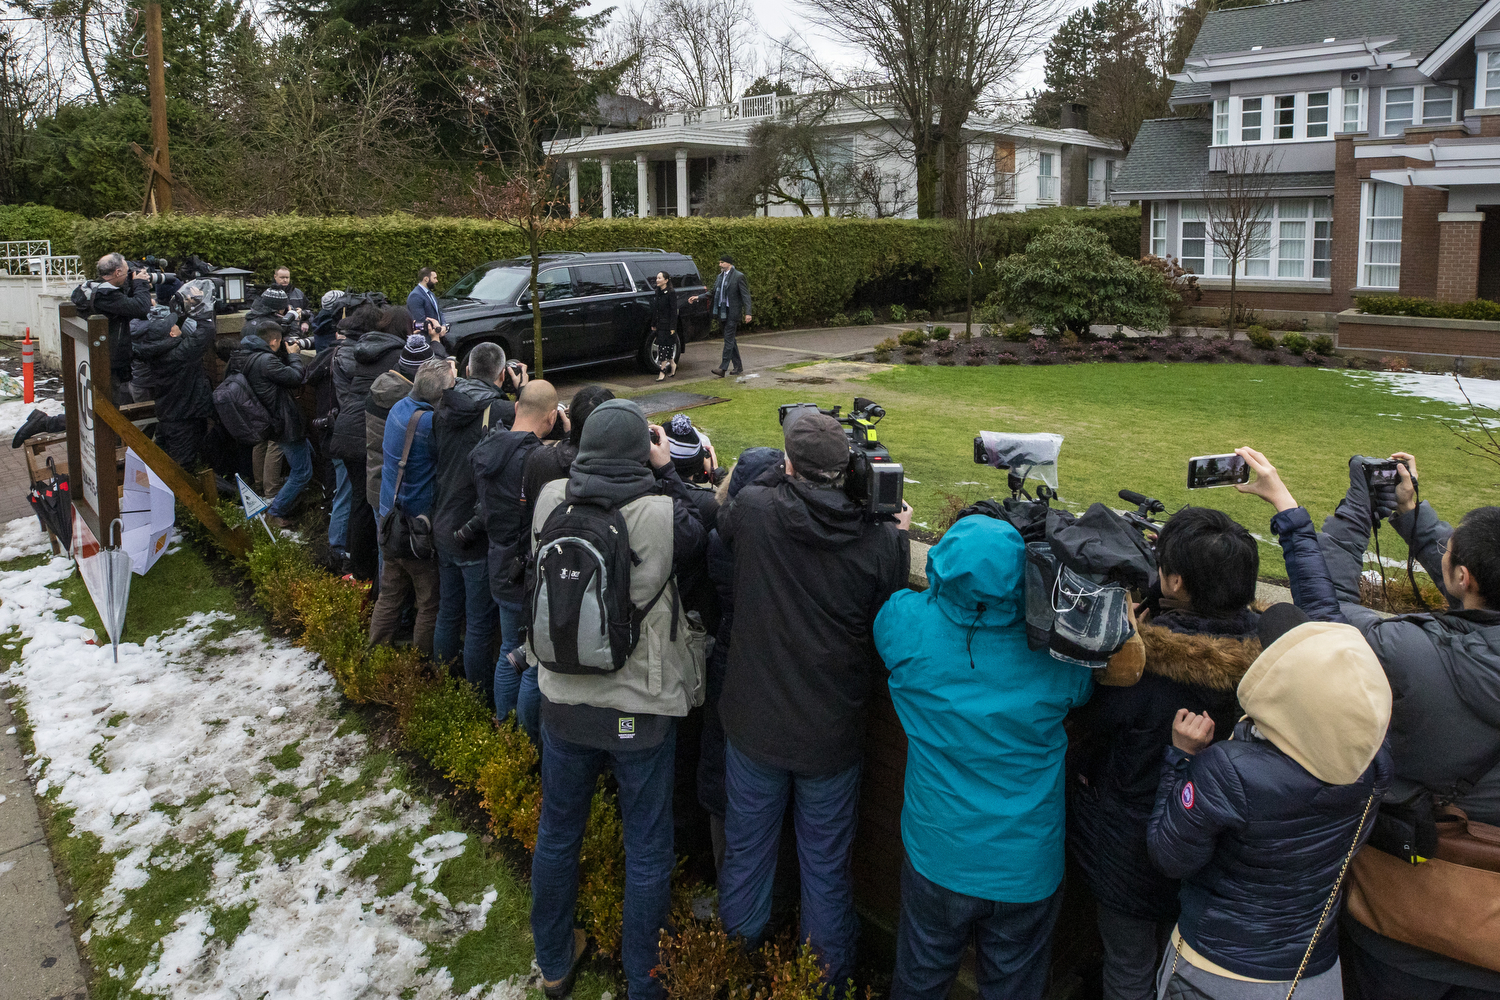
{"type": "Point", "coordinates": [872, 480]}
{"type": "Point", "coordinates": [158, 271]}
{"type": "Point", "coordinates": [304, 343]}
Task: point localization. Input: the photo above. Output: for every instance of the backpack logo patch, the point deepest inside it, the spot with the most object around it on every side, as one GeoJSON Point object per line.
{"type": "Point", "coordinates": [627, 727]}
{"type": "Point", "coordinates": [1188, 795]}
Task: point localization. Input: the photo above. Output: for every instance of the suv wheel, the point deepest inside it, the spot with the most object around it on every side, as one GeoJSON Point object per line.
{"type": "Point", "coordinates": [646, 356]}
{"type": "Point", "coordinates": [469, 345]}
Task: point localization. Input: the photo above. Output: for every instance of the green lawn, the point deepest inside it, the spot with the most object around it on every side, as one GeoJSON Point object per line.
{"type": "Point", "coordinates": [1135, 426]}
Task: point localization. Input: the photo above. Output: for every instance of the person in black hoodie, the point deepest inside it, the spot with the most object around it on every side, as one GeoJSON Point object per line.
{"type": "Point", "coordinates": [122, 297]}
{"type": "Point", "coordinates": [801, 667]}
{"type": "Point", "coordinates": [272, 380]}
{"type": "Point", "coordinates": [498, 461]}
{"type": "Point", "coordinates": [664, 326]}
{"type": "Point", "coordinates": [1197, 649]}
{"type": "Point", "coordinates": [466, 610]}
{"type": "Point", "coordinates": [173, 352]}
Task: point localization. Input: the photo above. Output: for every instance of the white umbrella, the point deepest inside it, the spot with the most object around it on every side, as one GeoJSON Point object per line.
{"type": "Point", "coordinates": [148, 510]}
{"type": "Point", "coordinates": [106, 576]}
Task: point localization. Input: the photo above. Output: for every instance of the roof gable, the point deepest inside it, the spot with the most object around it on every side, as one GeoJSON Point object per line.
{"type": "Point", "coordinates": [1419, 25]}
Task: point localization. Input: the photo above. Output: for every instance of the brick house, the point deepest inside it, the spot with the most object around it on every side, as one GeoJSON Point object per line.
{"type": "Point", "coordinates": [1381, 119]}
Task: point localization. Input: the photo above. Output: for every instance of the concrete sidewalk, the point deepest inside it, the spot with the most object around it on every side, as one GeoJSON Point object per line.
{"type": "Point", "coordinates": [38, 956]}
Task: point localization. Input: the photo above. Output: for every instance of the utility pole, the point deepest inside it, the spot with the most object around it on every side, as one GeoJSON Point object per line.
{"type": "Point", "coordinates": [159, 170]}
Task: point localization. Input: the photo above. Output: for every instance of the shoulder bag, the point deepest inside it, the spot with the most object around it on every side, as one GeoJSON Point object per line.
{"type": "Point", "coordinates": [401, 535]}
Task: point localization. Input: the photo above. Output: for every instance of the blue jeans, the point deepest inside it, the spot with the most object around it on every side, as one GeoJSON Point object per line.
{"type": "Point", "coordinates": [569, 772]}
{"type": "Point", "coordinates": [516, 692]}
{"type": "Point", "coordinates": [464, 597]}
{"type": "Point", "coordinates": [299, 458]}
{"type": "Point", "coordinates": [343, 500]}
{"type": "Point", "coordinates": [825, 811]}
{"type": "Point", "coordinates": [1012, 941]}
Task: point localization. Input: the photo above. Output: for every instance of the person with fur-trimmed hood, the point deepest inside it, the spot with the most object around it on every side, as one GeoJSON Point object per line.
{"type": "Point", "coordinates": [1198, 646]}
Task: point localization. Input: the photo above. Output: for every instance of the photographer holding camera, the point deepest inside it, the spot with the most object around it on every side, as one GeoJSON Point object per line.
{"type": "Point", "coordinates": [1444, 733]}
{"type": "Point", "coordinates": [122, 295]}
{"type": "Point", "coordinates": [810, 573]}
{"type": "Point", "coordinates": [273, 374]}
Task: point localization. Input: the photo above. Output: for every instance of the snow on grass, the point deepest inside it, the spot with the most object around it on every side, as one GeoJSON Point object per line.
{"type": "Point", "coordinates": [228, 836]}
{"type": "Point", "coordinates": [1484, 393]}
{"type": "Point", "coordinates": [23, 537]}
{"type": "Point", "coordinates": [13, 413]}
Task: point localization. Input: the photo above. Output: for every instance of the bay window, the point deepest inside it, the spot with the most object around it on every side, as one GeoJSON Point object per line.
{"type": "Point", "coordinates": [1291, 240]}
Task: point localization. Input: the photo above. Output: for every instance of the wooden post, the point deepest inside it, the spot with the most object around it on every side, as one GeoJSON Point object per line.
{"type": "Point", "coordinates": [158, 187]}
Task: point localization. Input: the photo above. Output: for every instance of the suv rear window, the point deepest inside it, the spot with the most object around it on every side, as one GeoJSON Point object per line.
{"type": "Point", "coordinates": [599, 279]}
{"type": "Point", "coordinates": [684, 274]}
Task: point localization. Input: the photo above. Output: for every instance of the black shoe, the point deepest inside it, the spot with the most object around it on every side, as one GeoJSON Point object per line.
{"type": "Point", "coordinates": [563, 988]}
{"type": "Point", "coordinates": [737, 372]}
{"type": "Point", "coordinates": [34, 425]}
{"type": "Point", "coordinates": [716, 372]}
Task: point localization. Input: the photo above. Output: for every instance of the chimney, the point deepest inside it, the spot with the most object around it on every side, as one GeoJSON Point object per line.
{"type": "Point", "coordinates": [1074, 115]}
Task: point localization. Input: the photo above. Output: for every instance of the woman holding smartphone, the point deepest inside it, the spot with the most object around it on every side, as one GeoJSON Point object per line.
{"type": "Point", "coordinates": [664, 326]}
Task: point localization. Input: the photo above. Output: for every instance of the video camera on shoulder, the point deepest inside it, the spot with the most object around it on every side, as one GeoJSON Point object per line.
{"type": "Point", "coordinates": [875, 483]}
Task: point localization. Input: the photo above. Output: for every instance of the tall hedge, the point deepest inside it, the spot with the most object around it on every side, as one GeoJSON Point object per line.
{"type": "Point", "coordinates": [800, 269]}
{"type": "Point", "coordinates": [39, 222]}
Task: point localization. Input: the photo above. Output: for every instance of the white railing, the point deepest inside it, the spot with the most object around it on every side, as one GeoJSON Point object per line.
{"type": "Point", "coordinates": [1005, 187]}
{"type": "Point", "coordinates": [34, 257]}
{"type": "Point", "coordinates": [766, 106]}
{"type": "Point", "coordinates": [1046, 188]}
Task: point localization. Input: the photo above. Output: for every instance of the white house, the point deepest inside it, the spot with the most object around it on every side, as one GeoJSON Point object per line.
{"type": "Point", "coordinates": [674, 152]}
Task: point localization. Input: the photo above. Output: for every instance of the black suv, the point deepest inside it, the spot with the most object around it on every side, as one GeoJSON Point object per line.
{"type": "Point", "coordinates": [595, 306]}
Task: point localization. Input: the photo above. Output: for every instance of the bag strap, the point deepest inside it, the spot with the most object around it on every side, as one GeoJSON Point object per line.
{"type": "Point", "coordinates": [411, 432]}
{"type": "Point", "coordinates": [485, 423]}
{"type": "Point", "coordinates": [1332, 896]}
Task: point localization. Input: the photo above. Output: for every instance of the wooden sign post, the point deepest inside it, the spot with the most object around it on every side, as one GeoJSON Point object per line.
{"type": "Point", "coordinates": [95, 476]}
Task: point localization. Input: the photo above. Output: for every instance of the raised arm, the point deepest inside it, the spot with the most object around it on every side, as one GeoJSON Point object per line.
{"type": "Point", "coordinates": [1307, 571]}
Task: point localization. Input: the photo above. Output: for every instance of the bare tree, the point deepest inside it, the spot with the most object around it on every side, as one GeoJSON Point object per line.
{"type": "Point", "coordinates": [1237, 205]}
{"type": "Point", "coordinates": [1482, 442]}
{"type": "Point", "coordinates": [705, 57]}
{"type": "Point", "coordinates": [969, 237]}
{"type": "Point", "coordinates": [632, 38]}
{"type": "Point", "coordinates": [939, 62]}
{"type": "Point", "coordinates": [22, 85]}
{"type": "Point", "coordinates": [884, 192]}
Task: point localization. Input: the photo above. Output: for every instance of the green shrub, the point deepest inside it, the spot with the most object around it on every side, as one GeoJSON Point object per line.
{"type": "Point", "coordinates": [1323, 344]}
{"type": "Point", "coordinates": [913, 338]}
{"type": "Point", "coordinates": [898, 313]}
{"type": "Point", "coordinates": [1295, 342]}
{"type": "Point", "coordinates": [864, 317]}
{"type": "Point", "coordinates": [1404, 305]}
{"type": "Point", "coordinates": [1017, 333]}
{"type": "Point", "coordinates": [838, 319]}
{"type": "Point", "coordinates": [1070, 277]}
{"type": "Point", "coordinates": [919, 315]}
{"type": "Point", "coordinates": [42, 222]}
{"type": "Point", "coordinates": [1261, 338]}
{"type": "Point", "coordinates": [941, 333]}
{"type": "Point", "coordinates": [884, 348]}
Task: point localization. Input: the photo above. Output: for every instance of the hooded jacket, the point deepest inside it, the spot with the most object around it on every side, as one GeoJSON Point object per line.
{"type": "Point", "coordinates": [272, 380]}
{"type": "Point", "coordinates": [983, 716]}
{"type": "Point", "coordinates": [388, 389]}
{"type": "Point", "coordinates": [457, 427]}
{"type": "Point", "coordinates": [358, 364]}
{"type": "Point", "coordinates": [495, 464]}
{"type": "Point", "coordinates": [417, 485]}
{"type": "Point", "coordinates": [174, 369]}
{"type": "Point", "coordinates": [810, 574]}
{"type": "Point", "coordinates": [131, 300]}
{"type": "Point", "coordinates": [1258, 826]}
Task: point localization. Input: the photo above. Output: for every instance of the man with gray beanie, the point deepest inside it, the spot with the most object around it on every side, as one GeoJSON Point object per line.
{"type": "Point", "coordinates": [810, 573]}
{"type": "Point", "coordinates": [624, 719]}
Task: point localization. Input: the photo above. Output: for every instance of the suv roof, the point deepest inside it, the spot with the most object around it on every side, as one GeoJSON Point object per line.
{"type": "Point", "coordinates": [624, 253]}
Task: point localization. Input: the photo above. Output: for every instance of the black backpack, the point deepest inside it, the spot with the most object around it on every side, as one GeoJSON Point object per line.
{"type": "Point", "coordinates": [582, 618]}
{"type": "Point", "coordinates": [242, 414]}
{"type": "Point", "coordinates": [83, 297]}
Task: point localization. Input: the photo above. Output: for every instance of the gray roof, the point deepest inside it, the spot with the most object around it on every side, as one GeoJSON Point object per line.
{"type": "Point", "coordinates": [1169, 154]}
{"type": "Point", "coordinates": [1191, 93]}
{"type": "Point", "coordinates": [1419, 25]}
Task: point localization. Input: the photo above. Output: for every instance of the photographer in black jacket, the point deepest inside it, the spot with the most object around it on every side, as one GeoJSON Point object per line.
{"type": "Point", "coordinates": [172, 350]}
{"type": "Point", "coordinates": [126, 297]}
{"type": "Point", "coordinates": [272, 380]}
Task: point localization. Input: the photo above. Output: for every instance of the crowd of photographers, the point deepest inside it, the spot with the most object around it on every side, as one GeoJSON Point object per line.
{"type": "Point", "coordinates": [1224, 779]}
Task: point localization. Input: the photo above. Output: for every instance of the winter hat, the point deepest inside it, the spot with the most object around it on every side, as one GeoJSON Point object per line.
{"type": "Point", "coordinates": [161, 322]}
{"type": "Point", "coordinates": [1319, 694]}
{"type": "Point", "coordinates": [330, 299]}
{"type": "Point", "coordinates": [727, 259]}
{"type": "Point", "coordinates": [816, 445]}
{"type": "Point", "coordinates": [417, 350]}
{"type": "Point", "coordinates": [752, 465]}
{"type": "Point", "coordinates": [273, 299]}
{"type": "Point", "coordinates": [615, 430]}
{"type": "Point", "coordinates": [683, 438]}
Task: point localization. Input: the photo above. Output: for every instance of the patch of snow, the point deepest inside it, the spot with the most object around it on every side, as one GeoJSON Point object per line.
{"type": "Point", "coordinates": [432, 852]}
{"type": "Point", "coordinates": [14, 413]}
{"type": "Point", "coordinates": [1485, 393]}
{"type": "Point", "coordinates": [21, 538]}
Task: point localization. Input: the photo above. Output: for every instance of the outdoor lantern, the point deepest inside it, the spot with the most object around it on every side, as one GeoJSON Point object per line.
{"type": "Point", "coordinates": [234, 283]}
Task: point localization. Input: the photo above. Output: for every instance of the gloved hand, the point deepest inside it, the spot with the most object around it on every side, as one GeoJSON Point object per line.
{"type": "Point", "coordinates": [1359, 506]}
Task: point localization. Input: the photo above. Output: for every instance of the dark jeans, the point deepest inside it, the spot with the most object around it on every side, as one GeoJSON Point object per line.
{"type": "Point", "coordinates": [1012, 942]}
{"type": "Point", "coordinates": [362, 541]}
{"type": "Point", "coordinates": [1133, 947]}
{"type": "Point", "coordinates": [513, 691]}
{"type": "Point", "coordinates": [466, 620]}
{"type": "Point", "coordinates": [1372, 979]}
{"type": "Point", "coordinates": [569, 771]}
{"type": "Point", "coordinates": [731, 326]}
{"type": "Point", "coordinates": [825, 808]}
{"type": "Point", "coordinates": [299, 457]}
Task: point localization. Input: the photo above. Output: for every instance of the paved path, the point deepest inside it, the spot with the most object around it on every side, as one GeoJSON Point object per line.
{"type": "Point", "coordinates": [38, 959]}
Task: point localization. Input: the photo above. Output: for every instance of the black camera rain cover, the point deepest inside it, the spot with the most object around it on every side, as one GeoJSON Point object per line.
{"type": "Point", "coordinates": [1103, 544]}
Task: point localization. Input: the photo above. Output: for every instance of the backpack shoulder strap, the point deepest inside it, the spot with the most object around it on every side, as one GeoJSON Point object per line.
{"type": "Point", "coordinates": [411, 433]}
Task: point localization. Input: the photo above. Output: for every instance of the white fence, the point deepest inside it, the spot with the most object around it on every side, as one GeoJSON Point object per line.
{"type": "Point", "coordinates": [33, 283]}
{"type": "Point", "coordinates": [35, 257]}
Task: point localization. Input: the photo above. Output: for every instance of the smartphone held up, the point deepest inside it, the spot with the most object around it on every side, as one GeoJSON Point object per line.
{"type": "Point", "coordinates": [1209, 471]}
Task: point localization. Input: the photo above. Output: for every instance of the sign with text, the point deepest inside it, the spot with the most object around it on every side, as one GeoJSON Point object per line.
{"type": "Point", "coordinates": [92, 445]}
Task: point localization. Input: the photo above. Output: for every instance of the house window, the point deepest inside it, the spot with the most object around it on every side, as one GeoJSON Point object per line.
{"type": "Point", "coordinates": [1250, 119]}
{"type": "Point", "coordinates": [1159, 228]}
{"type": "Point", "coordinates": [1492, 79]}
{"type": "Point", "coordinates": [1399, 102]}
{"type": "Point", "coordinates": [1286, 116]}
{"type": "Point", "coordinates": [1194, 237]}
{"type": "Point", "coordinates": [1317, 115]}
{"type": "Point", "coordinates": [1351, 109]}
{"type": "Point", "coordinates": [1046, 187]}
{"type": "Point", "coordinates": [1292, 240]}
{"type": "Point", "coordinates": [1437, 105]}
{"type": "Point", "coordinates": [1380, 247]}
{"type": "Point", "coordinates": [1322, 263]}
{"type": "Point", "coordinates": [1257, 262]}
{"type": "Point", "coordinates": [1221, 115]}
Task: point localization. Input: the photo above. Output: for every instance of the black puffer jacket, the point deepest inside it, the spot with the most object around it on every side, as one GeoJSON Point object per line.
{"type": "Point", "coordinates": [497, 462]}
{"type": "Point", "coordinates": [457, 427]}
{"type": "Point", "coordinates": [546, 464]}
{"type": "Point", "coordinates": [174, 370]}
{"type": "Point", "coordinates": [1117, 741]}
{"type": "Point", "coordinates": [810, 575]}
{"type": "Point", "coordinates": [131, 300]}
{"type": "Point", "coordinates": [272, 380]}
{"type": "Point", "coordinates": [372, 355]}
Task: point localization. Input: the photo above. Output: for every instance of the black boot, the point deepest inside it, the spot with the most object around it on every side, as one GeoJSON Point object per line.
{"type": "Point", "coordinates": [35, 423]}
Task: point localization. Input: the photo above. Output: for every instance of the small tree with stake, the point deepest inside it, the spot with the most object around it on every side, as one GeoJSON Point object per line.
{"type": "Point", "coordinates": [969, 238]}
{"type": "Point", "coordinates": [1236, 201]}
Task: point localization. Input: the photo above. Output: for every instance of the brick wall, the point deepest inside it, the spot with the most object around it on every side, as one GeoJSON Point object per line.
{"type": "Point", "coordinates": [1326, 302]}
{"type": "Point", "coordinates": [1419, 240]}
{"type": "Point", "coordinates": [1415, 339]}
{"type": "Point", "coordinates": [1345, 264]}
{"type": "Point", "coordinates": [1458, 259]}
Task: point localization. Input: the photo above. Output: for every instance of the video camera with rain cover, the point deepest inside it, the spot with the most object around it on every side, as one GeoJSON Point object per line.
{"type": "Point", "coordinates": [872, 481]}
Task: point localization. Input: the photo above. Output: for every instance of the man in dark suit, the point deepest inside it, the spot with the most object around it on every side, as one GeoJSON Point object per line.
{"type": "Point", "coordinates": [728, 301]}
{"type": "Point", "coordinates": [422, 303]}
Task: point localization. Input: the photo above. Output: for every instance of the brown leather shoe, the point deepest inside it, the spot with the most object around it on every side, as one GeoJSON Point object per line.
{"type": "Point", "coordinates": [560, 989]}
{"type": "Point", "coordinates": [716, 372]}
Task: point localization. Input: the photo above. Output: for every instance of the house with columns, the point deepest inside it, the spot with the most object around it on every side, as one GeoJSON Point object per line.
{"type": "Point", "coordinates": [1381, 124]}
{"type": "Point", "coordinates": [674, 153]}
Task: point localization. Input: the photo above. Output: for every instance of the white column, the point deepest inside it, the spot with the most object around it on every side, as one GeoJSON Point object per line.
{"type": "Point", "coordinates": [682, 184]}
{"type": "Point", "coordinates": [573, 188]}
{"type": "Point", "coordinates": [642, 195]}
{"type": "Point", "coordinates": [608, 186]}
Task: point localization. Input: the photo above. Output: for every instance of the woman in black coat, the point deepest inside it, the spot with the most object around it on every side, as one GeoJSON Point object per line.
{"type": "Point", "coordinates": [664, 326]}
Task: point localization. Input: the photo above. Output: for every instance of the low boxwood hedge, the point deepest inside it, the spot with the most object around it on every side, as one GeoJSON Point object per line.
{"type": "Point", "coordinates": [1408, 305]}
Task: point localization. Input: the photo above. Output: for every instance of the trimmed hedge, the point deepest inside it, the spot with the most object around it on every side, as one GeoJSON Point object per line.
{"type": "Point", "coordinates": [39, 222]}
{"type": "Point", "coordinates": [1405, 305]}
{"type": "Point", "coordinates": [800, 269]}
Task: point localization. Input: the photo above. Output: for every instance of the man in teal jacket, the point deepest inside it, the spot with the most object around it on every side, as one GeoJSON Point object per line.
{"type": "Point", "coordinates": [983, 818]}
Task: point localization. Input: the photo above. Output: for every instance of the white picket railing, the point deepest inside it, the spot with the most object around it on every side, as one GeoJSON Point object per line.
{"type": "Point", "coordinates": [34, 257]}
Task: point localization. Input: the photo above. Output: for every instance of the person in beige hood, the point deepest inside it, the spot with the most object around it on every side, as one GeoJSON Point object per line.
{"type": "Point", "coordinates": [1260, 827]}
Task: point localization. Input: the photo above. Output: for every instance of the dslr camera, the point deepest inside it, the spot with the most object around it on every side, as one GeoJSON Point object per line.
{"type": "Point", "coordinates": [1381, 472]}
{"type": "Point", "coordinates": [158, 271]}
{"type": "Point", "coordinates": [875, 483]}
